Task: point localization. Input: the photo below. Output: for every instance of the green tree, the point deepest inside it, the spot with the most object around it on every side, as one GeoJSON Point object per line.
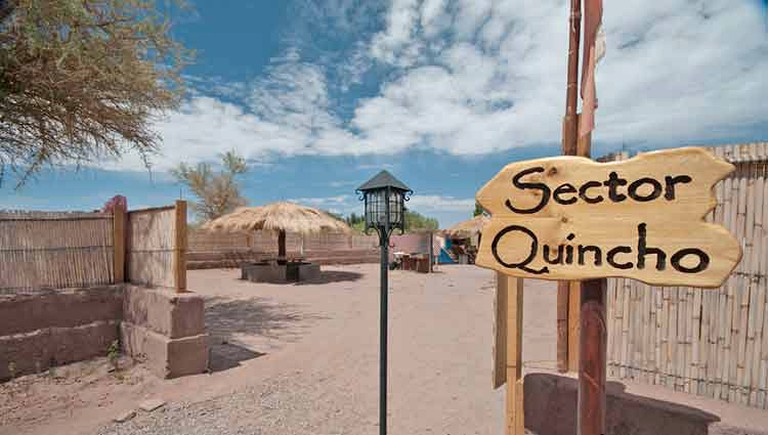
{"type": "Point", "coordinates": [218, 192]}
{"type": "Point", "coordinates": [414, 221]}
{"type": "Point", "coordinates": [357, 222]}
{"type": "Point", "coordinates": [81, 80]}
{"type": "Point", "coordinates": [334, 215]}
{"type": "Point", "coordinates": [478, 210]}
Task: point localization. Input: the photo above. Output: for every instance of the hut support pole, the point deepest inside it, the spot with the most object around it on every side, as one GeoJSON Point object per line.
{"type": "Point", "coordinates": [281, 245]}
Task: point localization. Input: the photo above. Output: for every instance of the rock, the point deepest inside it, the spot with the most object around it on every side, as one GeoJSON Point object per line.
{"type": "Point", "coordinates": [151, 405]}
{"type": "Point", "coordinates": [127, 415]}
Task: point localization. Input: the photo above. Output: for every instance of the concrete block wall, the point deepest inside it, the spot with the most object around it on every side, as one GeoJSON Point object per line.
{"type": "Point", "coordinates": [166, 330]}
{"type": "Point", "coordinates": [551, 404]}
{"type": "Point", "coordinates": [41, 330]}
{"type": "Point", "coordinates": [158, 326]}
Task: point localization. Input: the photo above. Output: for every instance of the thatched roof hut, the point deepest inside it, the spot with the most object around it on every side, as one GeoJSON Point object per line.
{"type": "Point", "coordinates": [469, 228]}
{"type": "Point", "coordinates": [282, 217]}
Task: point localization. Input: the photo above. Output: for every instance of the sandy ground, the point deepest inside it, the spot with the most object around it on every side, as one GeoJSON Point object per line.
{"type": "Point", "coordinates": [303, 359]}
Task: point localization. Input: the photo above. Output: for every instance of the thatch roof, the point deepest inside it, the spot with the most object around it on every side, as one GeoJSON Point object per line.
{"type": "Point", "coordinates": [278, 216]}
{"type": "Point", "coordinates": [469, 228]}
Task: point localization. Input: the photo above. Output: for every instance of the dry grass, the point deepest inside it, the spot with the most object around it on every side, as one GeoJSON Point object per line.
{"type": "Point", "coordinates": [469, 228]}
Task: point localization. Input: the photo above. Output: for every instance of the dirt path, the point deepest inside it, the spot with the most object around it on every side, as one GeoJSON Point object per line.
{"type": "Point", "coordinates": [303, 359]}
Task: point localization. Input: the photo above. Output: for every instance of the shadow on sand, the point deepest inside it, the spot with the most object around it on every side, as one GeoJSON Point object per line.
{"type": "Point", "coordinates": [227, 318]}
{"type": "Point", "coordinates": [223, 355]}
{"type": "Point", "coordinates": [331, 276]}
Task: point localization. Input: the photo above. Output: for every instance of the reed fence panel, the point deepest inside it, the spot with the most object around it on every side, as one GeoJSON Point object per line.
{"type": "Point", "coordinates": [710, 342]}
{"type": "Point", "coordinates": [50, 250]}
{"type": "Point", "coordinates": [209, 241]}
{"type": "Point", "coordinates": [150, 249]}
{"type": "Point", "coordinates": [266, 242]}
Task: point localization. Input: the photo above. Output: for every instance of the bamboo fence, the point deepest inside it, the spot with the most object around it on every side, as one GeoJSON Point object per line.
{"type": "Point", "coordinates": [50, 250]}
{"type": "Point", "coordinates": [266, 241]}
{"type": "Point", "coordinates": [151, 246]}
{"type": "Point", "coordinates": [54, 250]}
{"type": "Point", "coordinates": [709, 342]}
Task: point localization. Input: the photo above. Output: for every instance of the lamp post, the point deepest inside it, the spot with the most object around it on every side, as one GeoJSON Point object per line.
{"type": "Point", "coordinates": [384, 197]}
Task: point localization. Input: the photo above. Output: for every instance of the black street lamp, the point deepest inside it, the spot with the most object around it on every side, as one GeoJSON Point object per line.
{"type": "Point", "coordinates": [384, 197]}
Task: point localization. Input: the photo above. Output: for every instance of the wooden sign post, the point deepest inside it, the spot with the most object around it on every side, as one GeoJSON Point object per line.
{"type": "Point", "coordinates": [578, 222]}
{"type": "Point", "coordinates": [570, 218]}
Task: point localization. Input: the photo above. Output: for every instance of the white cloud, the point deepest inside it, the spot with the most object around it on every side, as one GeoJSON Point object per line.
{"type": "Point", "coordinates": [675, 72]}
{"type": "Point", "coordinates": [396, 44]}
{"type": "Point", "coordinates": [434, 18]}
{"type": "Point", "coordinates": [471, 77]}
{"type": "Point", "coordinates": [471, 16]}
{"type": "Point", "coordinates": [341, 204]}
{"type": "Point", "coordinates": [447, 209]}
{"type": "Point", "coordinates": [339, 199]}
{"type": "Point", "coordinates": [432, 203]}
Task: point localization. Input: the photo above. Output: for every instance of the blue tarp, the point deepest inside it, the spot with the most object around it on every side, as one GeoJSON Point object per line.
{"type": "Point", "coordinates": [444, 258]}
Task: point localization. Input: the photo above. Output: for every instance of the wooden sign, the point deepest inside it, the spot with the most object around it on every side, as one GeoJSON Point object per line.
{"type": "Point", "coordinates": [570, 218]}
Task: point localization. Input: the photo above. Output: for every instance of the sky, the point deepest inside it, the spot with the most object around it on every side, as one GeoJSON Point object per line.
{"type": "Point", "coordinates": [319, 95]}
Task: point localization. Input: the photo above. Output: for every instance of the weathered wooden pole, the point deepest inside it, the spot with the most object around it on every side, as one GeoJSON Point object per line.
{"type": "Point", "coordinates": [515, 424]}
{"type": "Point", "coordinates": [588, 295]}
{"type": "Point", "coordinates": [592, 358]}
{"type": "Point", "coordinates": [570, 123]}
{"type": "Point", "coordinates": [570, 134]}
{"type": "Point", "coordinates": [119, 216]}
{"type": "Point", "coordinates": [592, 342]}
{"type": "Point", "coordinates": [180, 247]}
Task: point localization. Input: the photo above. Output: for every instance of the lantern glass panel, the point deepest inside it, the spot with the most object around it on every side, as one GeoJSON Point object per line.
{"type": "Point", "coordinates": [395, 208]}
{"type": "Point", "coordinates": [375, 208]}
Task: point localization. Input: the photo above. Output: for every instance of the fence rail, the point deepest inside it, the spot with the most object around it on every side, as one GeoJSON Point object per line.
{"type": "Point", "coordinates": [707, 342]}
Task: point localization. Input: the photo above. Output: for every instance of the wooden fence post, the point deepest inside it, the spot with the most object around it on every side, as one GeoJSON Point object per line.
{"type": "Point", "coordinates": [118, 242]}
{"type": "Point", "coordinates": [508, 350]}
{"type": "Point", "coordinates": [500, 332]}
{"type": "Point", "coordinates": [515, 415]}
{"type": "Point", "coordinates": [574, 324]}
{"type": "Point", "coordinates": [431, 251]}
{"type": "Point", "coordinates": [180, 247]}
{"type": "Point", "coordinates": [563, 320]}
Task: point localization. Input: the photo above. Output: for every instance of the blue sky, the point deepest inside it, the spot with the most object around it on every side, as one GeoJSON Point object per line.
{"type": "Point", "coordinates": [321, 94]}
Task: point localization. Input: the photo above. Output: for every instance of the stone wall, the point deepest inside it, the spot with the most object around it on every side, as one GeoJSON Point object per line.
{"type": "Point", "coordinates": [166, 330]}
{"type": "Point", "coordinates": [551, 404]}
{"type": "Point", "coordinates": [43, 329]}
{"type": "Point", "coordinates": [46, 329]}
